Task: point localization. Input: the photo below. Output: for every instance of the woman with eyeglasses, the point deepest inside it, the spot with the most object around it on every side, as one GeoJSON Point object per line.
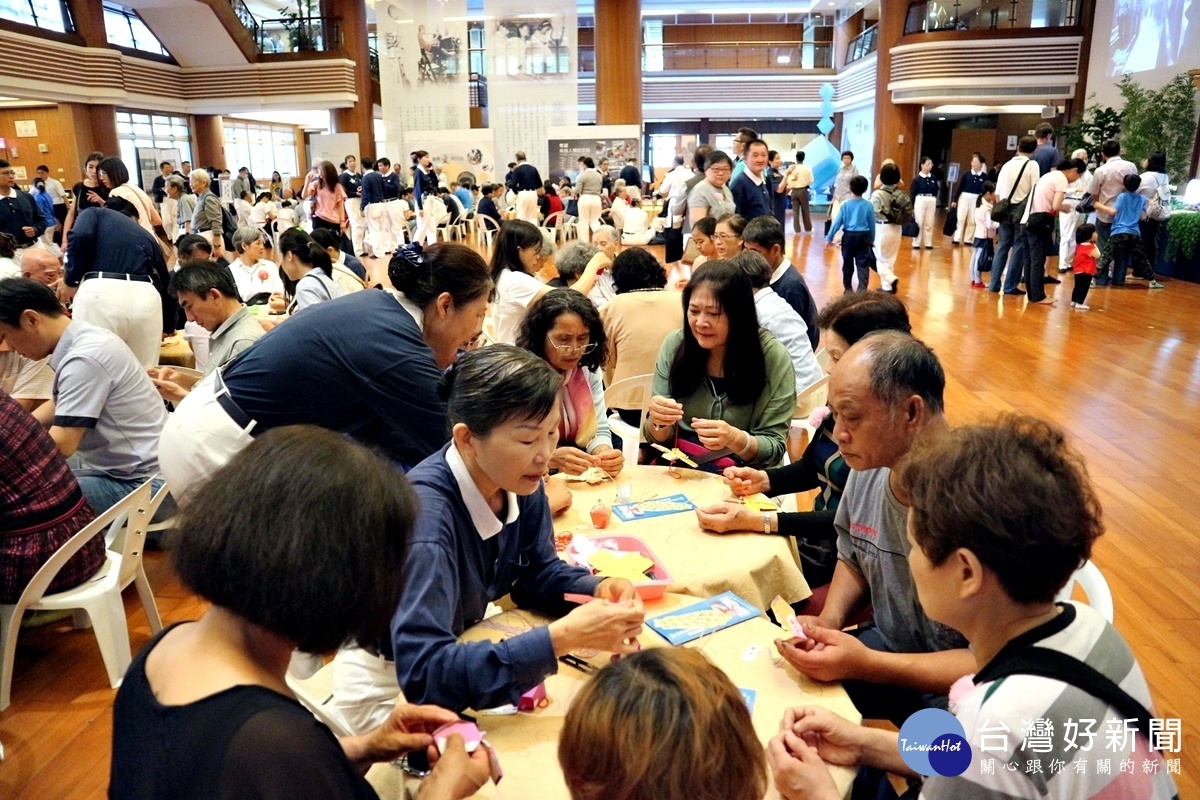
{"type": "Point", "coordinates": [724, 389]}
{"type": "Point", "coordinates": [711, 197]}
{"type": "Point", "coordinates": [515, 261]}
{"type": "Point", "coordinates": [485, 531]}
{"type": "Point", "coordinates": [367, 365]}
{"type": "Point", "coordinates": [564, 329]}
{"type": "Point", "coordinates": [727, 236]}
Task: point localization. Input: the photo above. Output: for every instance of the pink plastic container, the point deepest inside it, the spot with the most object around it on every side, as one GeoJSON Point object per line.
{"type": "Point", "coordinates": [649, 589]}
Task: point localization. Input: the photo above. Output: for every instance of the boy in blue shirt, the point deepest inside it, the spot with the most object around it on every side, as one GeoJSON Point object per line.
{"type": "Point", "coordinates": [1125, 242]}
{"type": "Point", "coordinates": [856, 218]}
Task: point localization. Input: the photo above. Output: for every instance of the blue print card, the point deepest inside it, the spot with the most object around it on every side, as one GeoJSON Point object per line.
{"type": "Point", "coordinates": [700, 619]}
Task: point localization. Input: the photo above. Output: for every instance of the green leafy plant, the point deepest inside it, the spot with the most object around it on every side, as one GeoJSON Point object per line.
{"type": "Point", "coordinates": [1160, 120]}
{"type": "Point", "coordinates": [1091, 128]}
{"type": "Point", "coordinates": [300, 24]}
{"type": "Point", "coordinates": [1183, 231]}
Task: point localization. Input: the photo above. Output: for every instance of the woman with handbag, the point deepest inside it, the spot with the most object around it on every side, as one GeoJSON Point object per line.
{"type": "Point", "coordinates": [1045, 204]}
{"type": "Point", "coordinates": [1157, 191]}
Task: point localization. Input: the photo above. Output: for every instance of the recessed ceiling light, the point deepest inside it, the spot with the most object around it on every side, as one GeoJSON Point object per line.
{"type": "Point", "coordinates": [941, 119]}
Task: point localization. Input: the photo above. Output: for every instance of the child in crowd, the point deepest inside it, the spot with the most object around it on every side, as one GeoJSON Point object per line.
{"type": "Point", "coordinates": [286, 216]}
{"type": "Point", "coordinates": [985, 233]}
{"type": "Point", "coordinates": [1125, 241]}
{"type": "Point", "coordinates": [655, 719]}
{"type": "Point", "coordinates": [856, 217]}
{"type": "Point", "coordinates": [1086, 253]}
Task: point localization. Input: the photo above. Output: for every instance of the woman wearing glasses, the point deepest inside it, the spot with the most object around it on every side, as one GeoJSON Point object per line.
{"type": "Point", "coordinates": [727, 236]}
{"type": "Point", "coordinates": [484, 531]}
{"type": "Point", "coordinates": [515, 262]}
{"type": "Point", "coordinates": [564, 329]}
{"type": "Point", "coordinates": [724, 389]}
{"type": "Point", "coordinates": [711, 197]}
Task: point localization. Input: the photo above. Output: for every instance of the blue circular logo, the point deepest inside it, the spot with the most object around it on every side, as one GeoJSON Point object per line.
{"type": "Point", "coordinates": [933, 742]}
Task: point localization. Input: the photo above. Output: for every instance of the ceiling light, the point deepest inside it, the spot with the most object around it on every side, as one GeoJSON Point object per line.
{"type": "Point", "coordinates": [941, 119]}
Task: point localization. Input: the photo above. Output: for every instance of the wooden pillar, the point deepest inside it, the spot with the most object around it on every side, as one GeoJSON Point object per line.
{"type": "Point", "coordinates": [209, 135]}
{"type": "Point", "coordinates": [843, 34]}
{"type": "Point", "coordinates": [89, 21]}
{"type": "Point", "coordinates": [618, 62]}
{"type": "Point", "coordinates": [359, 118]}
{"type": "Point", "coordinates": [897, 125]}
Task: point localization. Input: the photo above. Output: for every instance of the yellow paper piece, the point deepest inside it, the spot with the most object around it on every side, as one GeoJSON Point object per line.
{"type": "Point", "coordinates": [760, 505]}
{"type": "Point", "coordinates": [631, 566]}
{"type": "Point", "coordinates": [787, 619]}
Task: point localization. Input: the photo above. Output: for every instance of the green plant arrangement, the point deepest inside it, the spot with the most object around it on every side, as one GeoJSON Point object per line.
{"type": "Point", "coordinates": [1160, 120]}
{"type": "Point", "coordinates": [1092, 128]}
{"type": "Point", "coordinates": [1183, 231]}
{"type": "Point", "coordinates": [300, 25]}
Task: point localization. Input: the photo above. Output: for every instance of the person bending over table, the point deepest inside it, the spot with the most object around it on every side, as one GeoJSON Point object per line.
{"type": "Point", "coordinates": [307, 271]}
{"type": "Point", "coordinates": [515, 261]}
{"type": "Point", "coordinates": [367, 365]}
{"type": "Point", "coordinates": [991, 564]}
{"type": "Point", "coordinates": [886, 391]}
{"type": "Point", "coordinates": [484, 531]}
{"type": "Point", "coordinates": [723, 390]}
{"type": "Point", "coordinates": [563, 328]}
{"type": "Point", "coordinates": [205, 710]}
{"type": "Point", "coordinates": [649, 725]}
{"type": "Point", "coordinates": [843, 322]}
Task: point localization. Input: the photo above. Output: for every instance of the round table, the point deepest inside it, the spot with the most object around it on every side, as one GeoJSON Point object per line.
{"type": "Point", "coordinates": [753, 566]}
{"type": "Point", "coordinates": [527, 744]}
{"type": "Point", "coordinates": [176, 352]}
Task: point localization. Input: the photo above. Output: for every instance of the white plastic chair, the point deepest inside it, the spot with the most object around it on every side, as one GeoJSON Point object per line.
{"type": "Point", "coordinates": [629, 393]}
{"type": "Point", "coordinates": [99, 596]}
{"type": "Point", "coordinates": [552, 227]}
{"type": "Point", "coordinates": [1091, 580]}
{"type": "Point", "coordinates": [807, 402]}
{"type": "Point", "coordinates": [485, 229]}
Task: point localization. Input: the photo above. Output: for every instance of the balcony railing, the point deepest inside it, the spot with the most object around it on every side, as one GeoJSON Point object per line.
{"type": "Point", "coordinates": [862, 45]}
{"type": "Point", "coordinates": [374, 56]}
{"type": "Point", "coordinates": [247, 18]}
{"type": "Point", "coordinates": [298, 35]}
{"type": "Point", "coordinates": [725, 55]}
{"type": "Point", "coordinates": [925, 16]}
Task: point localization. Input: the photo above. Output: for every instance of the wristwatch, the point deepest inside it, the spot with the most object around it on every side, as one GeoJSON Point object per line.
{"type": "Point", "coordinates": [767, 522]}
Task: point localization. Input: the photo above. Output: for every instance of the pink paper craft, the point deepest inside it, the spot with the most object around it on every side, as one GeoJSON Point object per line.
{"type": "Point", "coordinates": [581, 599]}
{"type": "Point", "coordinates": [469, 731]}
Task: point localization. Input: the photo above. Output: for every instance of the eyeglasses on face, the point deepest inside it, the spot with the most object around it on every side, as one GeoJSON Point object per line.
{"type": "Point", "coordinates": [725, 237]}
{"type": "Point", "coordinates": [568, 349]}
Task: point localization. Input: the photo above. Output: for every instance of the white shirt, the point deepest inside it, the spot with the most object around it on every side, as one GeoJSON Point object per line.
{"type": "Point", "coordinates": [263, 276]}
{"type": "Point", "coordinates": [1008, 177]}
{"type": "Point", "coordinates": [261, 213]}
{"type": "Point", "coordinates": [514, 292]}
{"type": "Point", "coordinates": [55, 189]}
{"type": "Point", "coordinates": [486, 523]}
{"type": "Point", "coordinates": [799, 176]}
{"type": "Point", "coordinates": [672, 178]}
{"type": "Point", "coordinates": [789, 329]}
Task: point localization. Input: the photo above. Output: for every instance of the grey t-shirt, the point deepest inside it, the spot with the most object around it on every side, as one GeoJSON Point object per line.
{"type": "Point", "coordinates": [872, 540]}
{"type": "Point", "coordinates": [100, 385]}
{"type": "Point", "coordinates": [716, 202]}
{"type": "Point", "coordinates": [233, 336]}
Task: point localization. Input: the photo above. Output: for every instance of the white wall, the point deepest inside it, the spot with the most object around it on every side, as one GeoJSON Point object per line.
{"type": "Point", "coordinates": [1153, 39]}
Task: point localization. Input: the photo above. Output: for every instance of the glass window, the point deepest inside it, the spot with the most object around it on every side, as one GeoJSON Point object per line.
{"type": "Point", "coordinates": [46, 14]}
{"type": "Point", "coordinates": [125, 28]}
{"type": "Point", "coordinates": [263, 148]}
{"type": "Point", "coordinates": [159, 132]}
{"type": "Point", "coordinates": [652, 50]}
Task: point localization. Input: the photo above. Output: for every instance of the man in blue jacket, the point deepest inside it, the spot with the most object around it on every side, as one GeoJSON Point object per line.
{"type": "Point", "coordinates": [751, 191]}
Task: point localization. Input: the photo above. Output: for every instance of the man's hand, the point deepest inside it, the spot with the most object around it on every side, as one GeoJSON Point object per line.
{"type": "Point", "coordinates": [64, 293]}
{"type": "Point", "coordinates": [456, 774]}
{"type": "Point", "coordinates": [799, 772]}
{"type": "Point", "coordinates": [169, 390]}
{"type": "Point", "coordinates": [729, 518]}
{"type": "Point", "coordinates": [29, 231]}
{"type": "Point", "coordinates": [408, 728]}
{"type": "Point", "coordinates": [619, 590]}
{"type": "Point", "coordinates": [745, 481]}
{"type": "Point", "coordinates": [598, 625]}
{"type": "Point", "coordinates": [827, 654]}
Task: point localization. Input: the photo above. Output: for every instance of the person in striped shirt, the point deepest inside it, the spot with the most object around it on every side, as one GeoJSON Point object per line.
{"type": "Point", "coordinates": [992, 565]}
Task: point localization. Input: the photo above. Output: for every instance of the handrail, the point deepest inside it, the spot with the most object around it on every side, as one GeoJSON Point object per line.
{"type": "Point", "coordinates": [772, 54]}
{"type": "Point", "coordinates": [962, 15]}
{"type": "Point", "coordinates": [863, 45]}
{"type": "Point", "coordinates": [246, 17]}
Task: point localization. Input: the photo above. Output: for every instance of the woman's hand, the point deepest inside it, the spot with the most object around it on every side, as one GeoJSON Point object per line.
{"type": "Point", "coordinates": [717, 434]}
{"type": "Point", "coordinates": [745, 481]}
{"type": "Point", "coordinates": [571, 460]}
{"type": "Point", "coordinates": [408, 728]}
{"type": "Point", "coordinates": [557, 495]}
{"type": "Point", "coordinates": [609, 459]}
{"type": "Point", "coordinates": [94, 198]}
{"type": "Point", "coordinates": [664, 411]}
{"type": "Point", "coordinates": [836, 739]}
{"type": "Point", "coordinates": [799, 772]}
{"type": "Point", "coordinates": [277, 303]}
{"type": "Point", "coordinates": [599, 625]}
{"type": "Point", "coordinates": [456, 774]}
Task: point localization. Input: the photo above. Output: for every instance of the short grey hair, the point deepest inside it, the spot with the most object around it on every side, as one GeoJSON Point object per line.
{"type": "Point", "coordinates": [902, 366]}
{"type": "Point", "coordinates": [200, 176]}
{"type": "Point", "coordinates": [245, 235]}
{"type": "Point", "coordinates": [609, 230]}
{"type": "Point", "coordinates": [177, 182]}
{"type": "Point", "coordinates": [1080, 153]}
{"type": "Point", "coordinates": [548, 246]}
{"type": "Point", "coordinates": [573, 258]}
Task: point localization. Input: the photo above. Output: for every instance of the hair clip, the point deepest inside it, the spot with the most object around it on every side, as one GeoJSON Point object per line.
{"type": "Point", "coordinates": [412, 253]}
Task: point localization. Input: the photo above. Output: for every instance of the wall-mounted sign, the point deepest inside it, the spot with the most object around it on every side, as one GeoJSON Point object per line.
{"type": "Point", "coordinates": [26, 128]}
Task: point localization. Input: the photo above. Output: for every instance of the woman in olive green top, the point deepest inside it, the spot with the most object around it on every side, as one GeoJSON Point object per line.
{"type": "Point", "coordinates": [724, 390]}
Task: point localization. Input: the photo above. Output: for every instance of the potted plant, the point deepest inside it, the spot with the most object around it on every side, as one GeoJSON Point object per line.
{"type": "Point", "coordinates": [300, 26]}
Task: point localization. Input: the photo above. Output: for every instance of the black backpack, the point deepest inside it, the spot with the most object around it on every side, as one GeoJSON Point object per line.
{"type": "Point", "coordinates": [228, 227]}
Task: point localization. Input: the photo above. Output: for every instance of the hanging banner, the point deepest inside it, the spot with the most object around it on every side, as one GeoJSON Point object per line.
{"type": "Point", "coordinates": [423, 67]}
{"type": "Point", "coordinates": [470, 152]}
{"type": "Point", "coordinates": [533, 63]}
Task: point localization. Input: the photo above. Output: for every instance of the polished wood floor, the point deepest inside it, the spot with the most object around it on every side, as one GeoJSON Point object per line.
{"type": "Point", "coordinates": [1123, 379]}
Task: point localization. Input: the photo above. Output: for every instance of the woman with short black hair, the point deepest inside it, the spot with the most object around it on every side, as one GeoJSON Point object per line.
{"type": "Point", "coordinates": [724, 389]}
{"type": "Point", "coordinates": [306, 269]}
{"type": "Point", "coordinates": [564, 328]}
{"type": "Point", "coordinates": [205, 710]}
{"type": "Point", "coordinates": [636, 321]}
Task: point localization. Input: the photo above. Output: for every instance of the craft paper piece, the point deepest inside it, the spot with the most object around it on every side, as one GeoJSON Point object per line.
{"type": "Point", "coordinates": [700, 619]}
{"type": "Point", "coordinates": [592, 475]}
{"type": "Point", "coordinates": [674, 454]}
{"type": "Point", "coordinates": [632, 566]}
{"type": "Point", "coordinates": [792, 627]}
{"type": "Point", "coordinates": [748, 696]}
{"type": "Point", "coordinates": [656, 507]}
{"type": "Point", "coordinates": [469, 731]}
{"type": "Point", "coordinates": [758, 505]}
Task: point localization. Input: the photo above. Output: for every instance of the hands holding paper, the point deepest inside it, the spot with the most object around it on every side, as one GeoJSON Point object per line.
{"type": "Point", "coordinates": [827, 654]}
{"type": "Point", "coordinates": [611, 622]}
{"type": "Point", "coordinates": [808, 738]}
{"type": "Point", "coordinates": [729, 517]}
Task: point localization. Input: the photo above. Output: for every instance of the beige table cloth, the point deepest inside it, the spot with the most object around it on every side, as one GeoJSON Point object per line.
{"type": "Point", "coordinates": [753, 566]}
{"type": "Point", "coordinates": [527, 744]}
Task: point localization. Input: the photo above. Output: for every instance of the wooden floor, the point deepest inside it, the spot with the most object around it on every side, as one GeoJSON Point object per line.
{"type": "Point", "coordinates": [1123, 379]}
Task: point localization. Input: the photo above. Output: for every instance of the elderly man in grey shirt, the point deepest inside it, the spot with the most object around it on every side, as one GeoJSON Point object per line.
{"type": "Point", "coordinates": [209, 297]}
{"type": "Point", "coordinates": [886, 392]}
